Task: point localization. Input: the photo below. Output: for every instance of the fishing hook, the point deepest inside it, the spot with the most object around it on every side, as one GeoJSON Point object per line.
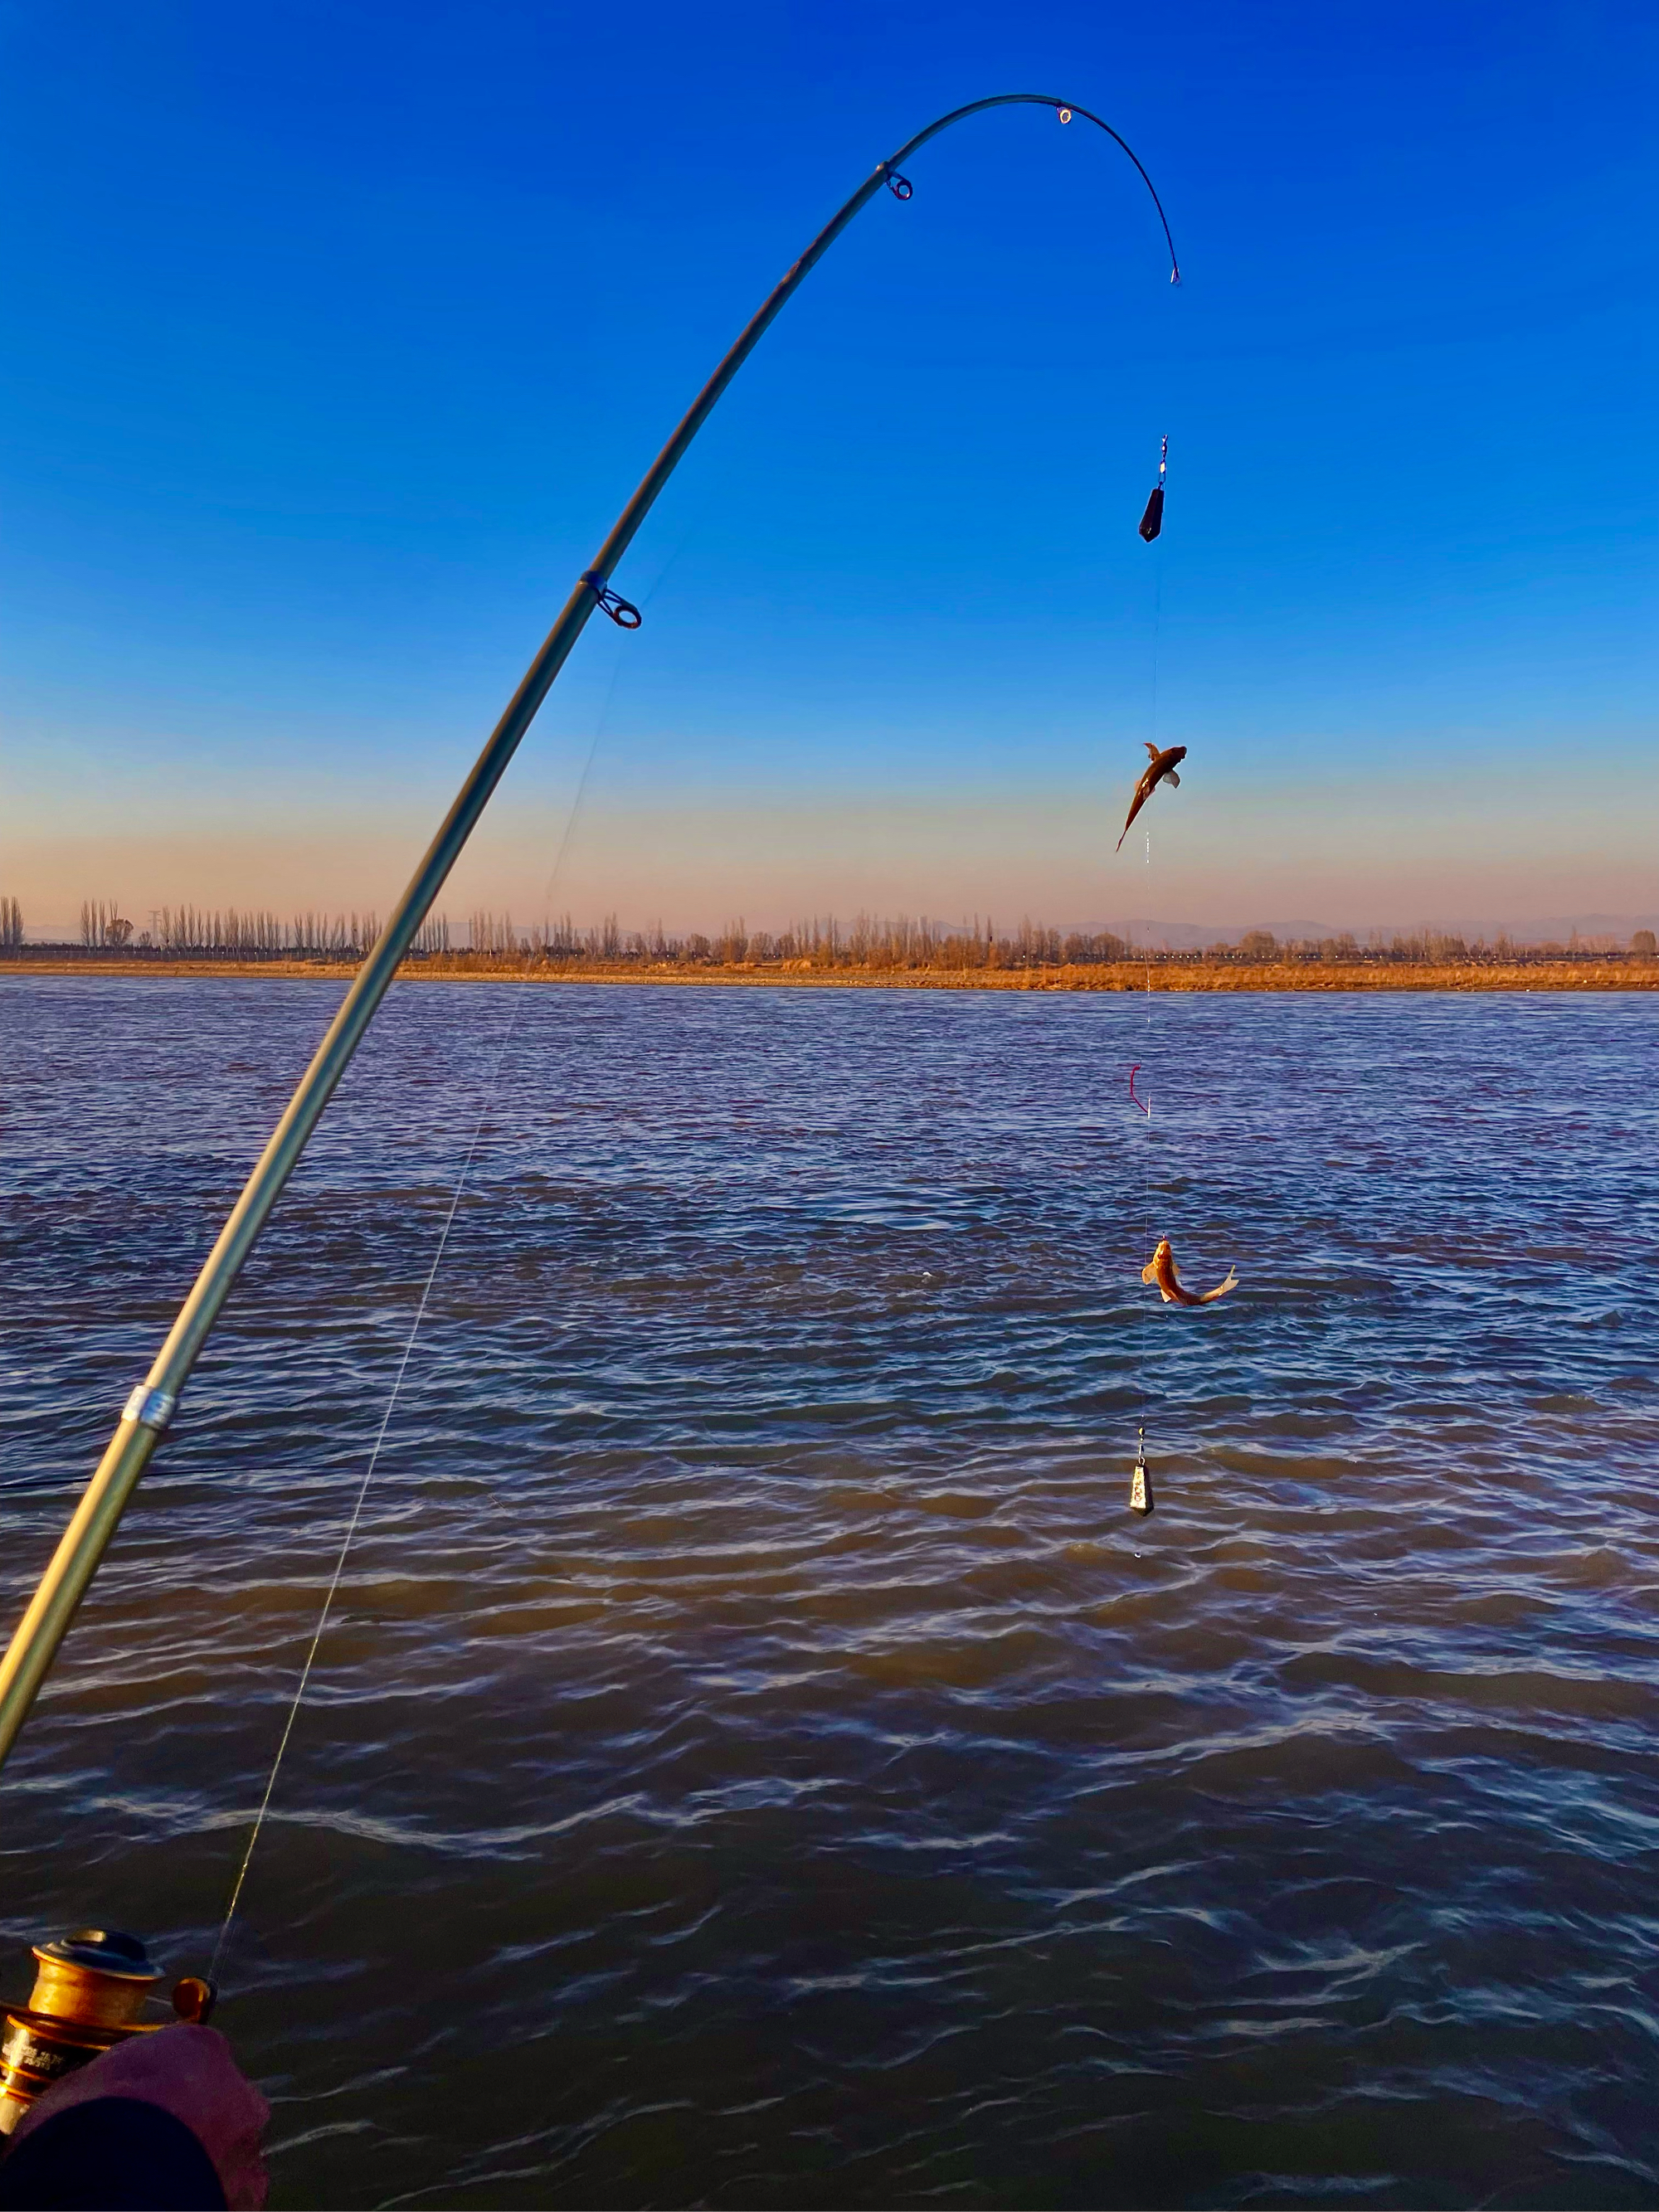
{"type": "Point", "coordinates": [1145, 1108]}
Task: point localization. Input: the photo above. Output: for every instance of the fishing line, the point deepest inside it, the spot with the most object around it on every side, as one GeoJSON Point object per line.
{"type": "Point", "coordinates": [456, 1196]}
{"type": "Point", "coordinates": [1145, 1106]}
{"type": "Point", "coordinates": [1151, 530]}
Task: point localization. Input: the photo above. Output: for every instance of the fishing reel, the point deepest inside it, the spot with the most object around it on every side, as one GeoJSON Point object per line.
{"type": "Point", "coordinates": [92, 1991]}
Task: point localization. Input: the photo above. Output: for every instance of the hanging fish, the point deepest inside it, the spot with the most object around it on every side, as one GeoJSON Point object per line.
{"type": "Point", "coordinates": [1162, 770]}
{"type": "Point", "coordinates": [1161, 1269]}
{"type": "Point", "coordinates": [1152, 521]}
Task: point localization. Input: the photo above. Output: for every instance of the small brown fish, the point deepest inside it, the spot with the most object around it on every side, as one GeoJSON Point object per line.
{"type": "Point", "coordinates": [1161, 1269]}
{"type": "Point", "coordinates": [1162, 770]}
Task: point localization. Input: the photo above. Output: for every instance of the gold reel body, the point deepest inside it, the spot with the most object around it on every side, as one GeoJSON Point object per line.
{"type": "Point", "coordinates": [91, 1991]}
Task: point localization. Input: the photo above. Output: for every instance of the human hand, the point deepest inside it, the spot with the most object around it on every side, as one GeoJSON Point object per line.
{"type": "Point", "coordinates": [191, 2073]}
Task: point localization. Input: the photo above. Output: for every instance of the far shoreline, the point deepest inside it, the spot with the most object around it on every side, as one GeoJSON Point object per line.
{"type": "Point", "coordinates": [1163, 973]}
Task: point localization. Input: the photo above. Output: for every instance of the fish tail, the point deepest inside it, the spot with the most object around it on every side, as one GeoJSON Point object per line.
{"type": "Point", "coordinates": [1222, 1289]}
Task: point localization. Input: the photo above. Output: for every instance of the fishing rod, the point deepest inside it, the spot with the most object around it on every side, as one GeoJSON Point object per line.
{"type": "Point", "coordinates": [149, 1411]}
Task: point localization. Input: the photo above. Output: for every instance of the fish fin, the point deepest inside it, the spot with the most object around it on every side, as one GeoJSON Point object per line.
{"type": "Point", "coordinates": [1146, 1274]}
{"type": "Point", "coordinates": [1172, 778]}
{"type": "Point", "coordinates": [1152, 749]}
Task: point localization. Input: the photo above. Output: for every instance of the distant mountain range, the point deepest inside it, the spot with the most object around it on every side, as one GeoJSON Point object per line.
{"type": "Point", "coordinates": [1555, 928]}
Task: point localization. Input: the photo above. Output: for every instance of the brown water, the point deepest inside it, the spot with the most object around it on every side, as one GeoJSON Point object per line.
{"type": "Point", "coordinates": [757, 1758]}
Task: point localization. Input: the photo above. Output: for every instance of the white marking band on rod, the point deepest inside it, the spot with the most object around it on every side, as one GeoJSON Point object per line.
{"type": "Point", "coordinates": [153, 1409]}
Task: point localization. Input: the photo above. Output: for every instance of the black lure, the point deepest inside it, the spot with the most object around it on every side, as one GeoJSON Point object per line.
{"type": "Point", "coordinates": [1152, 521]}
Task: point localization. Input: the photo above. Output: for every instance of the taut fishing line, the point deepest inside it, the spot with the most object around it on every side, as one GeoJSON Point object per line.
{"type": "Point", "coordinates": [1151, 530]}
{"type": "Point", "coordinates": [448, 1223]}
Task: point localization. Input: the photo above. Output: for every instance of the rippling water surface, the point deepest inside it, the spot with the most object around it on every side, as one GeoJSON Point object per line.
{"type": "Point", "coordinates": [757, 1758]}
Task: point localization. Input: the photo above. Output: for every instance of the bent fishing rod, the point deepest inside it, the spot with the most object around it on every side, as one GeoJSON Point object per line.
{"type": "Point", "coordinates": [149, 1411]}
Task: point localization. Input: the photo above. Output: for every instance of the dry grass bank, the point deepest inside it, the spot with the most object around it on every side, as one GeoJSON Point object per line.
{"type": "Point", "coordinates": [1164, 974]}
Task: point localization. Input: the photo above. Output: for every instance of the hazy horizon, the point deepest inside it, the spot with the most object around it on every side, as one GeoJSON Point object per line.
{"type": "Point", "coordinates": [1170, 934]}
{"type": "Point", "coordinates": [1220, 861]}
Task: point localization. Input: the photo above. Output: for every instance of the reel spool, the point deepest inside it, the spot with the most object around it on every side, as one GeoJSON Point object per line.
{"type": "Point", "coordinates": [90, 1993]}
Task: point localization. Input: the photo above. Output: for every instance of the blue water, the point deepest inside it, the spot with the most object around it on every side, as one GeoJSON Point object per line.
{"type": "Point", "coordinates": [758, 1758]}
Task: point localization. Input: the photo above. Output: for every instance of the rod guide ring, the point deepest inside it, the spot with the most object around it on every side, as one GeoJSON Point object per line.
{"type": "Point", "coordinates": [622, 611]}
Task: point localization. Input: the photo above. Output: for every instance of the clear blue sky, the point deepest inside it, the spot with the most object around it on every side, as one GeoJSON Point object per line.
{"type": "Point", "coordinates": [336, 335]}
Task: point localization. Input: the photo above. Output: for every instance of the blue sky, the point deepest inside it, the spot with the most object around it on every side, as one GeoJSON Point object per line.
{"type": "Point", "coordinates": [336, 335]}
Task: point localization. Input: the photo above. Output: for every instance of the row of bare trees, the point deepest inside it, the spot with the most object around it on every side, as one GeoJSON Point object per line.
{"type": "Point", "coordinates": [902, 941]}
{"type": "Point", "coordinates": [823, 941]}
{"type": "Point", "coordinates": [1430, 948]}
{"type": "Point", "coordinates": [340, 934]}
{"type": "Point", "coordinates": [245, 933]}
{"type": "Point", "coordinates": [235, 933]}
{"type": "Point", "coordinates": [869, 943]}
{"type": "Point", "coordinates": [101, 923]}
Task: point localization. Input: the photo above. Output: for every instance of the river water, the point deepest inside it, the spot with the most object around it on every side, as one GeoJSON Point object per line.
{"type": "Point", "coordinates": [757, 1758]}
